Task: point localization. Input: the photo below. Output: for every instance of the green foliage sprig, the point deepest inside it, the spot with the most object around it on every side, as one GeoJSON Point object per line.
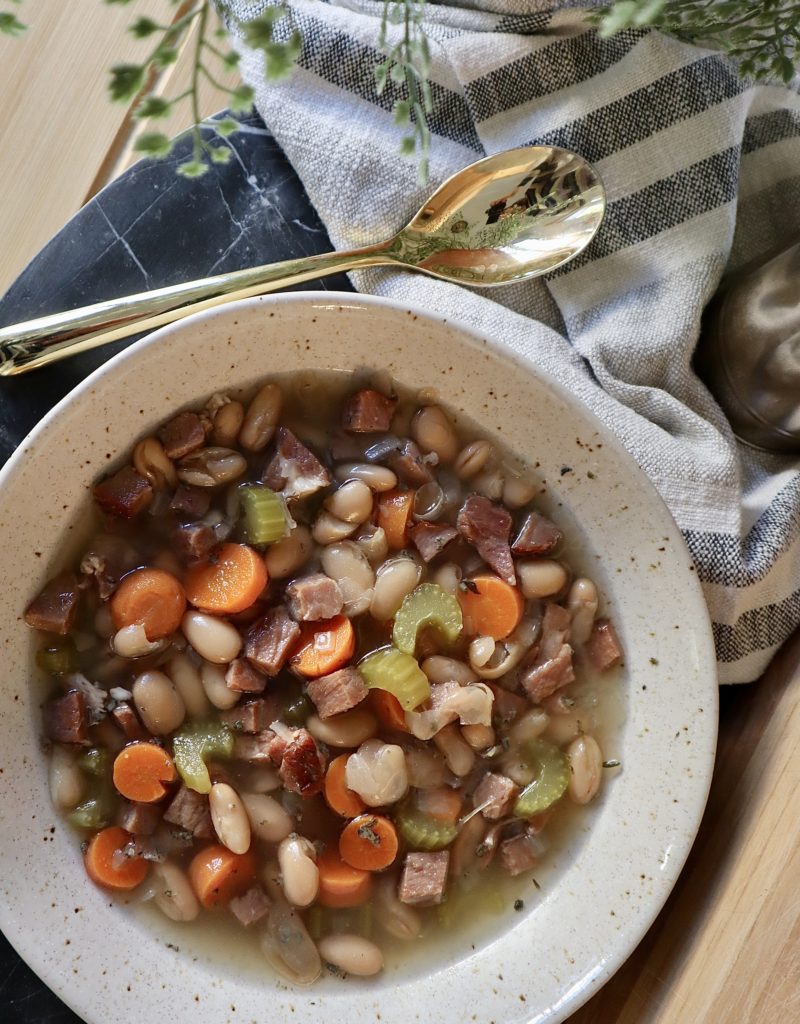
{"type": "Point", "coordinates": [9, 22]}
{"type": "Point", "coordinates": [762, 36]}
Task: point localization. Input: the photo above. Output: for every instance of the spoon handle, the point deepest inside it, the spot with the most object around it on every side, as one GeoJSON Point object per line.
{"type": "Point", "coordinates": [35, 343]}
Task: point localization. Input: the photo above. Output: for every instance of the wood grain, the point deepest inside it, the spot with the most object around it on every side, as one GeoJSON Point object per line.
{"type": "Point", "coordinates": [61, 138]}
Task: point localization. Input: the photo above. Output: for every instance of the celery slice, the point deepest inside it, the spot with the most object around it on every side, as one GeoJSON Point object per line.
{"type": "Point", "coordinates": [426, 605]}
{"type": "Point", "coordinates": [58, 657]}
{"type": "Point", "coordinates": [93, 813]}
{"type": "Point", "coordinates": [550, 782]}
{"type": "Point", "coordinates": [422, 832]}
{"type": "Point", "coordinates": [96, 761]}
{"type": "Point", "coordinates": [397, 673]}
{"type": "Point", "coordinates": [265, 519]}
{"type": "Point", "coordinates": [194, 745]}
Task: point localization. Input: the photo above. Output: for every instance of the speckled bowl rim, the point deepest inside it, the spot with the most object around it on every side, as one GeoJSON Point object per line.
{"type": "Point", "coordinates": [551, 958]}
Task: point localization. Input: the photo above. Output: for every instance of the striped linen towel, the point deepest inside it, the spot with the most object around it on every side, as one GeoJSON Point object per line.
{"type": "Point", "coordinates": [702, 173]}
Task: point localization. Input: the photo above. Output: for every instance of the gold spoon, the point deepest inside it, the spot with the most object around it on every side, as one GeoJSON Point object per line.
{"type": "Point", "coordinates": [506, 218]}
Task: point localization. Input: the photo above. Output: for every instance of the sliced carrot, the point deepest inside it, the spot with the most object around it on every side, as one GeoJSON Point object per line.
{"type": "Point", "coordinates": [394, 515]}
{"type": "Point", "coordinates": [323, 647]}
{"type": "Point", "coordinates": [108, 866]}
{"type": "Point", "coordinates": [388, 710]}
{"type": "Point", "coordinates": [368, 842]}
{"type": "Point", "coordinates": [152, 598]}
{"type": "Point", "coordinates": [217, 874]}
{"type": "Point", "coordinates": [490, 606]}
{"type": "Point", "coordinates": [142, 772]}
{"type": "Point", "coordinates": [229, 584]}
{"type": "Point", "coordinates": [341, 885]}
{"type": "Point", "coordinates": [341, 799]}
{"type": "Point", "coordinates": [441, 803]}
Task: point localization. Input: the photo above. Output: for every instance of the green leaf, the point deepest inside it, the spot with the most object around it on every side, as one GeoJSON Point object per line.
{"type": "Point", "coordinates": [402, 113]}
{"type": "Point", "coordinates": [226, 126]}
{"type": "Point", "coordinates": [120, 2]}
{"type": "Point", "coordinates": [164, 56]}
{"type": "Point", "coordinates": [279, 58]}
{"type": "Point", "coordinates": [258, 31]}
{"type": "Point", "coordinates": [126, 81]}
{"type": "Point", "coordinates": [231, 60]}
{"type": "Point", "coordinates": [11, 25]}
{"type": "Point", "coordinates": [192, 169]}
{"type": "Point", "coordinates": [143, 27]}
{"type": "Point", "coordinates": [220, 154]}
{"type": "Point", "coordinates": [407, 145]}
{"type": "Point", "coordinates": [242, 99]}
{"type": "Point", "coordinates": [153, 106]}
{"type": "Point", "coordinates": [381, 73]}
{"type": "Point", "coordinates": [153, 144]}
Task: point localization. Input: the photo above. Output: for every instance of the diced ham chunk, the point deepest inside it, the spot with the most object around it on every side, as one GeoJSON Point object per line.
{"type": "Point", "coordinates": [194, 541]}
{"type": "Point", "coordinates": [556, 623]}
{"type": "Point", "coordinates": [518, 854]}
{"type": "Point", "coordinates": [294, 470]}
{"type": "Point", "coordinates": [487, 526]}
{"type": "Point", "coordinates": [410, 465]}
{"type": "Point", "coordinates": [543, 678]}
{"type": "Point", "coordinates": [125, 494]}
{"type": "Point", "coordinates": [337, 692]}
{"type": "Point", "coordinates": [302, 765]}
{"type": "Point", "coordinates": [507, 705]}
{"type": "Point", "coordinates": [140, 819]}
{"type": "Point", "coordinates": [368, 412]}
{"type": "Point", "coordinates": [498, 793]}
{"type": "Point", "coordinates": [536, 536]}
{"type": "Point", "coordinates": [251, 907]}
{"type": "Point", "coordinates": [430, 539]}
{"type": "Point", "coordinates": [190, 811]}
{"type": "Point", "coordinates": [314, 597]}
{"type": "Point", "coordinates": [252, 716]}
{"type": "Point", "coordinates": [603, 646]}
{"type": "Point", "coordinates": [424, 878]}
{"type": "Point", "coordinates": [241, 677]}
{"type": "Point", "coordinates": [270, 639]}
{"type": "Point", "coordinates": [55, 608]}
{"type": "Point", "coordinates": [183, 435]}
{"type": "Point", "coordinates": [105, 563]}
{"type": "Point", "coordinates": [128, 721]}
{"type": "Point", "coordinates": [191, 502]}
{"type": "Point", "coordinates": [95, 697]}
{"type": "Point", "coordinates": [66, 719]}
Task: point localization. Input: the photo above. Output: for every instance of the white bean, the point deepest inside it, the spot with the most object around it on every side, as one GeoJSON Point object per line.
{"type": "Point", "coordinates": [213, 679]}
{"type": "Point", "coordinates": [433, 432]}
{"type": "Point", "coordinates": [489, 484]}
{"type": "Point", "coordinates": [472, 458]}
{"type": "Point", "coordinates": [173, 893]}
{"type": "Point", "coordinates": [159, 704]}
{"type": "Point", "coordinates": [211, 467]}
{"type": "Point", "coordinates": [263, 779]}
{"type": "Point", "coordinates": [529, 726]}
{"type": "Point", "coordinates": [396, 578]}
{"type": "Point", "coordinates": [586, 769]}
{"type": "Point", "coordinates": [228, 419]}
{"type": "Point", "coordinates": [541, 577]}
{"type": "Point", "coordinates": [459, 756]}
{"type": "Point", "coordinates": [151, 461]}
{"type": "Point", "coordinates": [582, 603]}
{"type": "Point", "coordinates": [448, 576]}
{"type": "Point", "coordinates": [66, 779]}
{"type": "Point", "coordinates": [352, 502]}
{"type": "Point", "coordinates": [426, 768]}
{"type": "Point", "coordinates": [377, 772]}
{"type": "Point", "coordinates": [327, 529]}
{"type": "Point", "coordinates": [563, 728]}
{"type": "Point", "coordinates": [214, 639]}
{"type": "Point", "coordinates": [285, 557]}
{"type": "Point", "coordinates": [398, 919]}
{"type": "Point", "coordinates": [132, 642]}
{"type": "Point", "coordinates": [372, 541]}
{"type": "Point", "coordinates": [268, 819]}
{"type": "Point", "coordinates": [299, 872]}
{"type": "Point", "coordinates": [353, 954]}
{"type": "Point", "coordinates": [377, 478]}
{"type": "Point", "coordinates": [348, 729]}
{"type": "Point", "coordinates": [517, 491]}
{"type": "Point", "coordinates": [229, 817]}
{"type": "Point", "coordinates": [480, 650]}
{"type": "Point", "coordinates": [261, 418]}
{"type": "Point", "coordinates": [185, 676]}
{"type": "Point", "coordinates": [346, 563]}
{"type": "Point", "coordinates": [440, 669]}
{"type": "Point", "coordinates": [479, 737]}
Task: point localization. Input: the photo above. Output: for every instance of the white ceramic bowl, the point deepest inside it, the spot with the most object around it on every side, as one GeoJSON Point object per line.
{"type": "Point", "coordinates": [606, 886]}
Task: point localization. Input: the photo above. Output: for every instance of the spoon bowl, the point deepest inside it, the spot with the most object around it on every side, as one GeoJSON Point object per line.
{"type": "Point", "coordinates": [504, 219]}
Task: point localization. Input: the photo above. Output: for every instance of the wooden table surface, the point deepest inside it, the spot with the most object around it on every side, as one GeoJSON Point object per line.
{"type": "Point", "coordinates": [726, 948]}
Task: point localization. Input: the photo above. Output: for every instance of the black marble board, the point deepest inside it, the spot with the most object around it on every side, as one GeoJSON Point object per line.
{"type": "Point", "coordinates": [147, 229]}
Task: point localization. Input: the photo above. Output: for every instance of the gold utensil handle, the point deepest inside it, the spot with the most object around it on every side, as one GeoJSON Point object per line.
{"type": "Point", "coordinates": [35, 343]}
